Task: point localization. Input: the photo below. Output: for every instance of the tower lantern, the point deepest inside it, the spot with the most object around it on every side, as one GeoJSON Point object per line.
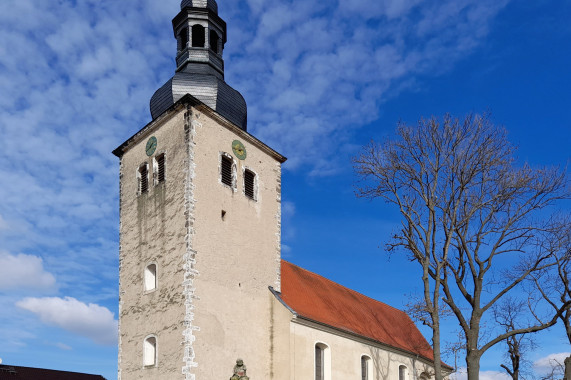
{"type": "Point", "coordinates": [201, 35]}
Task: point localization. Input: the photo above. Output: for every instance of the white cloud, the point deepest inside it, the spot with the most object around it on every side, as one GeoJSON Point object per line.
{"type": "Point", "coordinates": [547, 363]}
{"type": "Point", "coordinates": [88, 320]}
{"type": "Point", "coordinates": [288, 209]}
{"type": "Point", "coordinates": [3, 224]}
{"type": "Point", "coordinates": [24, 272]}
{"type": "Point", "coordinates": [63, 346]}
{"type": "Point", "coordinates": [484, 375]}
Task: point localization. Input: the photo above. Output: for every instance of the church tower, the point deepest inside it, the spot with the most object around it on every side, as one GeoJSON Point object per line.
{"type": "Point", "coordinates": [200, 223]}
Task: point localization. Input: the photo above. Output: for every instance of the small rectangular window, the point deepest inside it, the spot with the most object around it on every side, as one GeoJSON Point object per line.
{"type": "Point", "coordinates": [249, 180]}
{"type": "Point", "coordinates": [150, 352]}
{"type": "Point", "coordinates": [226, 171]}
{"type": "Point", "coordinates": [143, 179]}
{"type": "Point", "coordinates": [150, 277]}
{"type": "Point", "coordinates": [161, 174]}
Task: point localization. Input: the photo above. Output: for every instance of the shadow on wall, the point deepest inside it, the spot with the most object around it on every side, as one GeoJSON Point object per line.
{"type": "Point", "coordinates": [384, 360]}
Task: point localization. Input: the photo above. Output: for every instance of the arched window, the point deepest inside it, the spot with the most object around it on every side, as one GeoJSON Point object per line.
{"type": "Point", "coordinates": [143, 178]}
{"type": "Point", "coordinates": [198, 36]}
{"type": "Point", "coordinates": [150, 277]}
{"type": "Point", "coordinates": [365, 368]}
{"type": "Point", "coordinates": [183, 39]}
{"type": "Point", "coordinates": [214, 38]}
{"type": "Point", "coordinates": [403, 373]}
{"type": "Point", "coordinates": [150, 352]}
{"type": "Point", "coordinates": [322, 362]}
{"type": "Point", "coordinates": [250, 184]}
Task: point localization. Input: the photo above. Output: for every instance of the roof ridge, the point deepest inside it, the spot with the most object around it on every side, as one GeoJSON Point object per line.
{"type": "Point", "coordinates": [345, 287]}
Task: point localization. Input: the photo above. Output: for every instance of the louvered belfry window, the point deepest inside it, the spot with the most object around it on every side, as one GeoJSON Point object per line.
{"type": "Point", "coordinates": [226, 171]}
{"type": "Point", "coordinates": [161, 174]}
{"type": "Point", "coordinates": [319, 363]}
{"type": "Point", "coordinates": [143, 179]}
{"type": "Point", "coordinates": [249, 180]}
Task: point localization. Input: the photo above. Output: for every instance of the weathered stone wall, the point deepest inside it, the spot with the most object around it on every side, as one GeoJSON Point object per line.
{"type": "Point", "coordinates": [153, 231]}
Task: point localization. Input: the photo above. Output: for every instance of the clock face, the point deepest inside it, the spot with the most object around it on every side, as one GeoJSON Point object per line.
{"type": "Point", "coordinates": [151, 146]}
{"type": "Point", "coordinates": [239, 149]}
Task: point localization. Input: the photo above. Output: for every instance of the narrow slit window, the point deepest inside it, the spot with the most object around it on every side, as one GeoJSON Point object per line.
{"type": "Point", "coordinates": [150, 352]}
{"type": "Point", "coordinates": [319, 359]}
{"type": "Point", "coordinates": [364, 368]}
{"type": "Point", "coordinates": [151, 277]}
{"type": "Point", "coordinates": [226, 171]}
{"type": "Point", "coordinates": [198, 36]}
{"type": "Point", "coordinates": [249, 184]}
{"type": "Point", "coordinates": [160, 168]}
{"type": "Point", "coordinates": [214, 41]}
{"type": "Point", "coordinates": [402, 372]}
{"type": "Point", "coordinates": [143, 179]}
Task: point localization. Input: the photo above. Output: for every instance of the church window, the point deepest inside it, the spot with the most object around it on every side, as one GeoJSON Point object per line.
{"type": "Point", "coordinates": [365, 367]}
{"type": "Point", "coordinates": [150, 352]}
{"type": "Point", "coordinates": [143, 178]}
{"type": "Point", "coordinates": [160, 168]}
{"type": "Point", "coordinates": [322, 362]}
{"type": "Point", "coordinates": [214, 41]}
{"type": "Point", "coordinates": [198, 36]}
{"type": "Point", "coordinates": [249, 184]}
{"type": "Point", "coordinates": [150, 277]}
{"type": "Point", "coordinates": [402, 372]}
{"type": "Point", "coordinates": [183, 39]}
{"type": "Point", "coordinates": [226, 170]}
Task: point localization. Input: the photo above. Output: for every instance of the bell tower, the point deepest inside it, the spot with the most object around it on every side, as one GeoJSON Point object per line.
{"type": "Point", "coordinates": [201, 36]}
{"type": "Point", "coordinates": [200, 211]}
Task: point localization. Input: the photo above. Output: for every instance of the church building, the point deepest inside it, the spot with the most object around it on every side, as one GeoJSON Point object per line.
{"type": "Point", "coordinates": [202, 282]}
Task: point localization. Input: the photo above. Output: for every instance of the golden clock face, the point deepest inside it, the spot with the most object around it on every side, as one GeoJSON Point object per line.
{"type": "Point", "coordinates": [239, 149]}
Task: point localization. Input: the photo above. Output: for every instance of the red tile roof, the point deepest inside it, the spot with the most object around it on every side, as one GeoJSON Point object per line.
{"type": "Point", "coordinates": [8, 372]}
{"type": "Point", "coordinates": [319, 299]}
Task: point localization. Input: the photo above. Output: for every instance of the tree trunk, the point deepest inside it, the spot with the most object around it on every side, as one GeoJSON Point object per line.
{"type": "Point", "coordinates": [436, 351]}
{"type": "Point", "coordinates": [473, 364]}
{"type": "Point", "coordinates": [567, 369]}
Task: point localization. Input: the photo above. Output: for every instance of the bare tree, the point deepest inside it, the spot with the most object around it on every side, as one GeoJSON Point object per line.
{"type": "Point", "coordinates": [507, 315]}
{"type": "Point", "coordinates": [554, 284]}
{"type": "Point", "coordinates": [464, 206]}
{"type": "Point", "coordinates": [555, 372]}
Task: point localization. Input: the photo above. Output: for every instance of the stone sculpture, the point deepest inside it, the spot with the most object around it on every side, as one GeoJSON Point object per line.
{"type": "Point", "coordinates": [239, 371]}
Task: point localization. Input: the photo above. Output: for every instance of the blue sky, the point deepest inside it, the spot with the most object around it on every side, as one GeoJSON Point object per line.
{"type": "Point", "coordinates": [321, 78]}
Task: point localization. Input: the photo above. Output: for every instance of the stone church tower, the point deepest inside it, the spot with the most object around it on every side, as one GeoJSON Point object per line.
{"type": "Point", "coordinates": [200, 223]}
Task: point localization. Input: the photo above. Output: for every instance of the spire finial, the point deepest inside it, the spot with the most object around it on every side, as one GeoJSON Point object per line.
{"type": "Point", "coordinates": [210, 4]}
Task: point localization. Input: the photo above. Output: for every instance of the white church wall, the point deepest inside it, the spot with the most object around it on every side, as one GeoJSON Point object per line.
{"type": "Point", "coordinates": [345, 352]}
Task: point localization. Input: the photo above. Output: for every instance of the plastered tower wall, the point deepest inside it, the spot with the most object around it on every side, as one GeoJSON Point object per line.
{"type": "Point", "coordinates": [216, 252]}
{"type": "Point", "coordinates": [153, 231]}
{"type": "Point", "coordinates": [237, 255]}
